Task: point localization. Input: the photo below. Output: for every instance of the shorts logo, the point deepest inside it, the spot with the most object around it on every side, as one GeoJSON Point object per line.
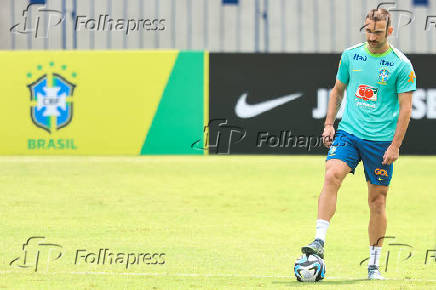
{"type": "Point", "coordinates": [332, 151]}
{"type": "Point", "coordinates": [51, 100]}
{"type": "Point", "coordinates": [366, 93]}
{"type": "Point", "coordinates": [381, 172]}
{"type": "Point", "coordinates": [383, 76]}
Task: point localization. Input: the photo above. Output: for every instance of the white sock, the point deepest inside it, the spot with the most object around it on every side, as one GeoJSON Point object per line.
{"type": "Point", "coordinates": [321, 229]}
{"type": "Point", "coordinates": [374, 256]}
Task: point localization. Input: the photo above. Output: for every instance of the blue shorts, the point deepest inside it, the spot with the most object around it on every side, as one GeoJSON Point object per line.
{"type": "Point", "coordinates": [351, 150]}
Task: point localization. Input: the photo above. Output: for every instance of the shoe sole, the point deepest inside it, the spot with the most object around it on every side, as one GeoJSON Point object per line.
{"type": "Point", "coordinates": [310, 251]}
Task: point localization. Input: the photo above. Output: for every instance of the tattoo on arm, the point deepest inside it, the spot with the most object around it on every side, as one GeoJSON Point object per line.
{"type": "Point", "coordinates": [339, 98]}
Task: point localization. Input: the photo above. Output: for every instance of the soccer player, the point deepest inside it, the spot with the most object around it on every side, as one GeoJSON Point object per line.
{"type": "Point", "coordinates": [379, 80]}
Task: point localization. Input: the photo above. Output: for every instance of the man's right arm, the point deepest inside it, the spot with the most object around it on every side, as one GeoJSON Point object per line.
{"type": "Point", "coordinates": [335, 100]}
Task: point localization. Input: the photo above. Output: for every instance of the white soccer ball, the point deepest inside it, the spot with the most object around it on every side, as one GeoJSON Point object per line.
{"type": "Point", "coordinates": [309, 268]}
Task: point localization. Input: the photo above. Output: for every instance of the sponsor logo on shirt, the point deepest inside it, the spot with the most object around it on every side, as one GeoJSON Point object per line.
{"type": "Point", "coordinates": [359, 57]}
{"type": "Point", "coordinates": [366, 93]}
{"type": "Point", "coordinates": [386, 63]}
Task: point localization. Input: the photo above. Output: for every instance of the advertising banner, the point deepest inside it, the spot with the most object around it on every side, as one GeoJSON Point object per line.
{"type": "Point", "coordinates": [277, 103]}
{"type": "Point", "coordinates": [101, 102]}
{"type": "Point", "coordinates": [170, 102]}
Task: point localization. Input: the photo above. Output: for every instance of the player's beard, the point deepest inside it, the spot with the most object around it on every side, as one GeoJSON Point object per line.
{"type": "Point", "coordinates": [376, 44]}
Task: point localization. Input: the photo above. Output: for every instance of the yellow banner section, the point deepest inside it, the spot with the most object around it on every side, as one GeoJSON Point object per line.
{"type": "Point", "coordinates": [81, 102]}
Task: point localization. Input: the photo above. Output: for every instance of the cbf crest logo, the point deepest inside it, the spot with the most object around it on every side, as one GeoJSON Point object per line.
{"type": "Point", "coordinates": [332, 151]}
{"type": "Point", "coordinates": [383, 76]}
{"type": "Point", "coordinates": [51, 95]}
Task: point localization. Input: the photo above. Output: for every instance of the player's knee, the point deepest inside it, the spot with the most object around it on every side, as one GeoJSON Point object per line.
{"type": "Point", "coordinates": [333, 177]}
{"type": "Point", "coordinates": [377, 204]}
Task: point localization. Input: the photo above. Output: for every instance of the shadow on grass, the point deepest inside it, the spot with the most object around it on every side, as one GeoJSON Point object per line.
{"type": "Point", "coordinates": [324, 282]}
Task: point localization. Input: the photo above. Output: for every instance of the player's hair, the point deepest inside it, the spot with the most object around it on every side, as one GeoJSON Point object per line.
{"type": "Point", "coordinates": [379, 14]}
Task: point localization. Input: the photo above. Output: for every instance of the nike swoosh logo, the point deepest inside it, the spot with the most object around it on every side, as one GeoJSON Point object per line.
{"type": "Point", "coordinates": [244, 110]}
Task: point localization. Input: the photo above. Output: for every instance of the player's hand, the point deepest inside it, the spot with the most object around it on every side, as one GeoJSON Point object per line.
{"type": "Point", "coordinates": [391, 154]}
{"type": "Point", "coordinates": [328, 135]}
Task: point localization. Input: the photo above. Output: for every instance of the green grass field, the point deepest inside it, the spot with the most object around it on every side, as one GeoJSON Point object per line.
{"type": "Point", "coordinates": [222, 222]}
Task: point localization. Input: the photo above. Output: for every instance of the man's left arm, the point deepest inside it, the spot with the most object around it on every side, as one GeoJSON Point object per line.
{"type": "Point", "coordinates": [393, 151]}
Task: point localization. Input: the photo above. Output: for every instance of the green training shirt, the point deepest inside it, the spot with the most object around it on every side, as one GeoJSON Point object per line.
{"type": "Point", "coordinates": [373, 84]}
